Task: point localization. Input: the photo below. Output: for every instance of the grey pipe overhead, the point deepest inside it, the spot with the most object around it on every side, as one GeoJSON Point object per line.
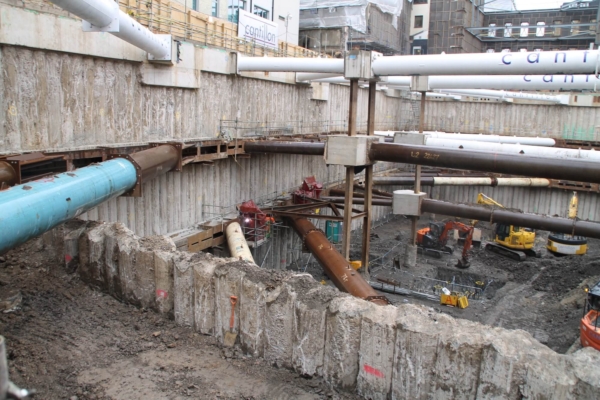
{"type": "Point", "coordinates": [534, 221]}
{"type": "Point", "coordinates": [536, 167]}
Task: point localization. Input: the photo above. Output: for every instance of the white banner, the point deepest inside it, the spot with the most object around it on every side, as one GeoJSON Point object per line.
{"type": "Point", "coordinates": [254, 28]}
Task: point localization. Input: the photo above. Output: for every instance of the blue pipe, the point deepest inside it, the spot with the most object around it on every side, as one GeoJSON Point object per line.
{"type": "Point", "coordinates": [28, 210]}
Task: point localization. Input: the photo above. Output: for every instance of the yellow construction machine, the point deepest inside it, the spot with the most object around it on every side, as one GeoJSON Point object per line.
{"type": "Point", "coordinates": [562, 244]}
{"type": "Point", "coordinates": [511, 241]}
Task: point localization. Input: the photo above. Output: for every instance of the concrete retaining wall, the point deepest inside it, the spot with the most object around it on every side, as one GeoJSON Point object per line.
{"type": "Point", "coordinates": [404, 352]}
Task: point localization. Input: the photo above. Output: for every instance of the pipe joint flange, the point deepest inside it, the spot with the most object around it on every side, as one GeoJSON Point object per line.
{"type": "Point", "coordinates": [304, 247]}
{"type": "Point", "coordinates": [136, 191]}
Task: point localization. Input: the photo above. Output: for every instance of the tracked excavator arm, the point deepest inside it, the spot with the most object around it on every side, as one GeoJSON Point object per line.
{"type": "Point", "coordinates": [433, 240]}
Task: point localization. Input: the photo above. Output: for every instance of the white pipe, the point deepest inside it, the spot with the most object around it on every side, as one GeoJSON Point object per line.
{"type": "Point", "coordinates": [312, 76]}
{"type": "Point", "coordinates": [101, 13]}
{"type": "Point", "coordinates": [280, 64]}
{"type": "Point", "coordinates": [501, 94]}
{"type": "Point", "coordinates": [513, 82]}
{"type": "Point", "coordinates": [480, 181]}
{"type": "Point", "coordinates": [495, 82]}
{"type": "Point", "coordinates": [536, 151]}
{"type": "Point", "coordinates": [97, 12]}
{"type": "Point", "coordinates": [526, 140]}
{"type": "Point", "coordinates": [546, 62]}
{"type": "Point", "coordinates": [132, 32]}
{"type": "Point", "coordinates": [238, 247]}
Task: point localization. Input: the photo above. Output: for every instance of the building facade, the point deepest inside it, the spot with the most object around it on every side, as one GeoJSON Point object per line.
{"type": "Point", "coordinates": [472, 26]}
{"type": "Point", "coordinates": [419, 28]}
{"type": "Point", "coordinates": [283, 12]}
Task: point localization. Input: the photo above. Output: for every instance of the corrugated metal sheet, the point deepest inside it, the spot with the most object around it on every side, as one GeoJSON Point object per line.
{"type": "Point", "coordinates": [561, 122]}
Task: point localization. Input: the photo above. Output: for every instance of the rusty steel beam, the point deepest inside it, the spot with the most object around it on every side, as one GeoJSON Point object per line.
{"type": "Point", "coordinates": [342, 192]}
{"type": "Point", "coordinates": [539, 167]}
{"type": "Point", "coordinates": [377, 192]}
{"type": "Point", "coordinates": [304, 148]}
{"type": "Point", "coordinates": [375, 202]}
{"type": "Point", "coordinates": [8, 176]}
{"type": "Point", "coordinates": [336, 267]}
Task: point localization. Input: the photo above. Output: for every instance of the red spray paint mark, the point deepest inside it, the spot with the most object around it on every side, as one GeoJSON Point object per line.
{"type": "Point", "coordinates": [373, 371]}
{"type": "Point", "coordinates": [68, 258]}
{"type": "Point", "coordinates": [162, 294]}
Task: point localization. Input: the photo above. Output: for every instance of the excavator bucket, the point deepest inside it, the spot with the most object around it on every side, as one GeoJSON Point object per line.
{"type": "Point", "coordinates": [463, 263]}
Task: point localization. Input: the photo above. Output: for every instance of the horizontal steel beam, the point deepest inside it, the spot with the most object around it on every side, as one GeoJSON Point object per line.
{"type": "Point", "coordinates": [305, 148]}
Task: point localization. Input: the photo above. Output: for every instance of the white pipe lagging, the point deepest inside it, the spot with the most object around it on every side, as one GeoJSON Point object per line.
{"type": "Point", "coordinates": [491, 82]}
{"type": "Point", "coordinates": [538, 63]}
{"type": "Point", "coordinates": [524, 140]}
{"type": "Point", "coordinates": [484, 181]}
{"type": "Point", "coordinates": [503, 95]}
{"type": "Point", "coordinates": [102, 13]}
{"type": "Point", "coordinates": [528, 150]}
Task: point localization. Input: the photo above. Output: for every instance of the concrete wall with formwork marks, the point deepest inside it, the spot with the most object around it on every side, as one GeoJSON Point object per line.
{"type": "Point", "coordinates": [404, 352]}
{"type": "Point", "coordinates": [554, 121]}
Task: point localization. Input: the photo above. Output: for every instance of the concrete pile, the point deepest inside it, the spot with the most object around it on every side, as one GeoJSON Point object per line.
{"type": "Point", "coordinates": [404, 352]}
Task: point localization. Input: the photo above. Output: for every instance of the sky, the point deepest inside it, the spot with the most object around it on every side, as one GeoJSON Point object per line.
{"type": "Point", "coordinates": [538, 4]}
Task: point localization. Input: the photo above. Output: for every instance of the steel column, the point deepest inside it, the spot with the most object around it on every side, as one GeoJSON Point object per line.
{"type": "Point", "coordinates": [336, 267]}
{"type": "Point", "coordinates": [366, 239]}
{"type": "Point", "coordinates": [347, 228]}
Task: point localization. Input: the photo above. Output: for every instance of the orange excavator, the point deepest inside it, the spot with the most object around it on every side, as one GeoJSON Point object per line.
{"type": "Point", "coordinates": [432, 241]}
{"type": "Point", "coordinates": [589, 327]}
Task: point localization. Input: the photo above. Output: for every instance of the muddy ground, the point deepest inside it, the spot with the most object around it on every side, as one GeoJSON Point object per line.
{"type": "Point", "coordinates": [543, 295]}
{"type": "Point", "coordinates": [68, 341]}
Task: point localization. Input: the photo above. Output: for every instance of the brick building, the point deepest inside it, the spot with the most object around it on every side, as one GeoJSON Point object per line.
{"type": "Point", "coordinates": [464, 26]}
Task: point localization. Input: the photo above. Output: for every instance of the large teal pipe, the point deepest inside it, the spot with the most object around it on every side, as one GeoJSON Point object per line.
{"type": "Point", "coordinates": [29, 210]}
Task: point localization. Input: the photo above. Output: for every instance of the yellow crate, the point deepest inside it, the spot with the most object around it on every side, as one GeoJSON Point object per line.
{"type": "Point", "coordinates": [356, 265]}
{"type": "Point", "coordinates": [463, 302]}
{"type": "Point", "coordinates": [448, 299]}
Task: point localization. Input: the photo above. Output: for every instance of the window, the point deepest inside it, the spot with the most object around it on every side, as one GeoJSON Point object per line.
{"type": "Point", "coordinates": [575, 29]}
{"type": "Point", "coordinates": [261, 12]}
{"type": "Point", "coordinates": [524, 29]}
{"type": "Point", "coordinates": [233, 7]}
{"type": "Point", "coordinates": [541, 29]}
{"type": "Point", "coordinates": [418, 21]}
{"type": "Point", "coordinates": [195, 5]}
{"type": "Point", "coordinates": [215, 8]}
{"type": "Point", "coordinates": [419, 1]}
{"type": "Point", "coordinates": [417, 50]}
{"type": "Point", "coordinates": [507, 29]}
{"type": "Point", "coordinates": [593, 25]}
{"type": "Point", "coordinates": [492, 32]}
{"type": "Point", "coordinates": [557, 30]}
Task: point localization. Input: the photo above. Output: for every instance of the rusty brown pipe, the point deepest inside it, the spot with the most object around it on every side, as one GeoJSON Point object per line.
{"type": "Point", "coordinates": [375, 191]}
{"type": "Point", "coordinates": [534, 221]}
{"type": "Point", "coordinates": [336, 267]}
{"type": "Point", "coordinates": [537, 167]}
{"type": "Point", "coordinates": [342, 192]}
{"type": "Point", "coordinates": [156, 161]}
{"type": "Point", "coordinates": [8, 175]}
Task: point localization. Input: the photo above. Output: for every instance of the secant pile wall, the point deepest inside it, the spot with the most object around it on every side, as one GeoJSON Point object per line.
{"type": "Point", "coordinates": [405, 352]}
